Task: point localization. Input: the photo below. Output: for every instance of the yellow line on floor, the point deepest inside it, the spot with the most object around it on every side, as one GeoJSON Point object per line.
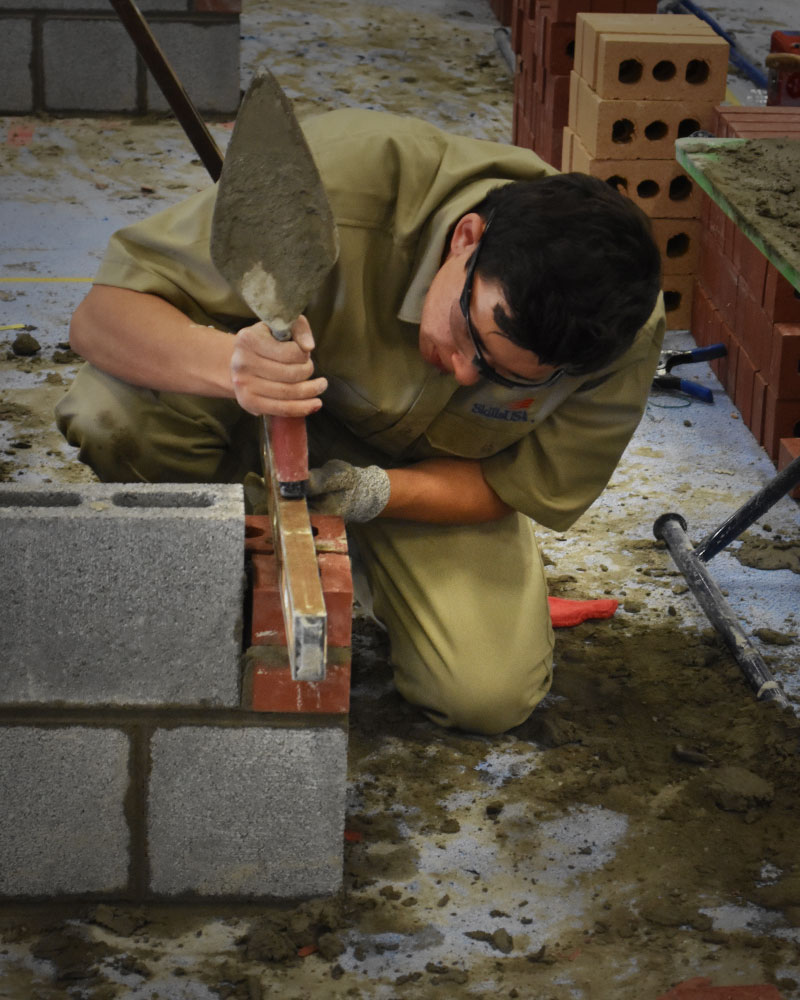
{"type": "Point", "coordinates": [13, 326]}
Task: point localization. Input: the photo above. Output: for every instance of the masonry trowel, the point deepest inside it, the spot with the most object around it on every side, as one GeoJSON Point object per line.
{"type": "Point", "coordinates": [273, 238]}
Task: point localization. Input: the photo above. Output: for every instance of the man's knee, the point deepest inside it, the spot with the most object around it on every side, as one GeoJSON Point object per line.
{"type": "Point", "coordinates": [490, 701]}
{"type": "Point", "coordinates": [106, 434]}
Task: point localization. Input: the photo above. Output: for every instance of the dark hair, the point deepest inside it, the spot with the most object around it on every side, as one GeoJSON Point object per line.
{"type": "Point", "coordinates": [577, 264]}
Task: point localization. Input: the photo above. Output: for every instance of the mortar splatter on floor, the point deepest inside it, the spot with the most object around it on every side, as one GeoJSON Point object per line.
{"type": "Point", "coordinates": [640, 829]}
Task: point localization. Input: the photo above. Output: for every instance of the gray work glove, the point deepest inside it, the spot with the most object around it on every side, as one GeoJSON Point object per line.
{"type": "Point", "coordinates": [352, 493]}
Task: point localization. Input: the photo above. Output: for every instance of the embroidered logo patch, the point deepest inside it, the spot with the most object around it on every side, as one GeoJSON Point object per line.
{"type": "Point", "coordinates": [513, 412]}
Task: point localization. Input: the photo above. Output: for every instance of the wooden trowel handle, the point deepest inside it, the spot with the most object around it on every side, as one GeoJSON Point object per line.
{"type": "Point", "coordinates": [289, 443]}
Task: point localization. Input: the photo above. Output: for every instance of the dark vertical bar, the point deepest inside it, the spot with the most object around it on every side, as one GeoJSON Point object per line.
{"type": "Point", "coordinates": [749, 512]}
{"type": "Point", "coordinates": [171, 87]}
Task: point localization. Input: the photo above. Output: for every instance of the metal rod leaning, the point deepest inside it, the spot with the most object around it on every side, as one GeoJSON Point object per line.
{"type": "Point", "coordinates": [749, 512]}
{"type": "Point", "coordinates": [672, 529]}
{"type": "Point", "coordinates": [171, 87]}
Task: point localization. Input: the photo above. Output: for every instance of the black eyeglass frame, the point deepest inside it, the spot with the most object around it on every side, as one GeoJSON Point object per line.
{"type": "Point", "coordinates": [479, 361]}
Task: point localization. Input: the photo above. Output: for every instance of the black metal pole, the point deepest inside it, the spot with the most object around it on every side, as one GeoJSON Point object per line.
{"type": "Point", "coordinates": [171, 87]}
{"type": "Point", "coordinates": [749, 512]}
{"type": "Point", "coordinates": [672, 529]}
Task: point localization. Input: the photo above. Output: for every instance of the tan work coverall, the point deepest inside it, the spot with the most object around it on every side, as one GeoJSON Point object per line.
{"type": "Point", "coordinates": [465, 606]}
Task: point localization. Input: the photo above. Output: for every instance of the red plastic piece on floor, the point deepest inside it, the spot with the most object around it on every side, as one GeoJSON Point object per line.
{"type": "Point", "coordinates": [565, 612]}
{"type": "Point", "coordinates": [700, 988]}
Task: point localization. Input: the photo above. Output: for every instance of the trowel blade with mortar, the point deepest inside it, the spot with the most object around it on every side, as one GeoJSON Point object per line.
{"type": "Point", "coordinates": [273, 238]}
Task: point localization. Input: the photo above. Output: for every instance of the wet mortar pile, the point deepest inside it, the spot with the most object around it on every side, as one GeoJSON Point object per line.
{"type": "Point", "coordinates": [640, 829]}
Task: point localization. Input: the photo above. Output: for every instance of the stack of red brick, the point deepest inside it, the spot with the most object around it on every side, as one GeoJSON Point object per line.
{"type": "Point", "coordinates": [742, 301]}
{"type": "Point", "coordinates": [503, 10]}
{"type": "Point", "coordinates": [640, 83]}
{"type": "Point", "coordinates": [543, 37]}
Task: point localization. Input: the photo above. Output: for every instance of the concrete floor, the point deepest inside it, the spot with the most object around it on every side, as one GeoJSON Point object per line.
{"type": "Point", "coordinates": [68, 184]}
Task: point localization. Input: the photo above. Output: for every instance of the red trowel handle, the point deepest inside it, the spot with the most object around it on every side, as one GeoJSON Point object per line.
{"type": "Point", "coordinates": [289, 448]}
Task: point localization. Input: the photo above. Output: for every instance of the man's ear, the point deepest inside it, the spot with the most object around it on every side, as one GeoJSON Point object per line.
{"type": "Point", "coordinates": [467, 232]}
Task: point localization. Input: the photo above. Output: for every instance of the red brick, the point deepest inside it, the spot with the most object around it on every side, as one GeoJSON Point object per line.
{"type": "Point", "coordinates": [701, 324]}
{"type": "Point", "coordinates": [781, 420]}
{"type": "Point", "coordinates": [679, 243]}
{"type": "Point", "coordinates": [725, 368]}
{"type": "Point", "coordinates": [518, 15]}
{"type": "Point", "coordinates": [555, 45]}
{"type": "Point", "coordinates": [751, 264]}
{"type": "Point", "coordinates": [753, 328]}
{"type": "Point", "coordinates": [720, 278]}
{"type": "Point", "coordinates": [743, 388]}
{"type": "Point", "coordinates": [625, 57]}
{"type": "Point", "coordinates": [217, 6]}
{"type": "Point", "coordinates": [258, 533]}
{"type": "Point", "coordinates": [781, 301]}
{"type": "Point", "coordinates": [759, 407]}
{"type": "Point", "coordinates": [659, 187]}
{"type": "Point", "coordinates": [267, 628]}
{"type": "Point", "coordinates": [700, 988]}
{"type": "Point", "coordinates": [745, 122]}
{"type": "Point", "coordinates": [678, 300]}
{"type": "Point", "coordinates": [784, 364]}
{"type": "Point", "coordinates": [789, 451]}
{"type": "Point", "coordinates": [267, 684]}
{"type": "Point", "coordinates": [632, 129]}
{"type": "Point", "coordinates": [337, 589]}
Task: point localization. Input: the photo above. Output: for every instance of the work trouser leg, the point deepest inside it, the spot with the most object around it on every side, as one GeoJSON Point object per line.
{"type": "Point", "coordinates": [466, 612]}
{"type": "Point", "coordinates": [130, 434]}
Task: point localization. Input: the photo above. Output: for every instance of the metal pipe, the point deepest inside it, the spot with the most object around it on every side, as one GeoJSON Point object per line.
{"type": "Point", "coordinates": [749, 512]}
{"type": "Point", "coordinates": [171, 87]}
{"type": "Point", "coordinates": [672, 529]}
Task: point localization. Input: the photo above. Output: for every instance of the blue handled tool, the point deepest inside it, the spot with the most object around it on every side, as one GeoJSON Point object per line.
{"type": "Point", "coordinates": [669, 360]}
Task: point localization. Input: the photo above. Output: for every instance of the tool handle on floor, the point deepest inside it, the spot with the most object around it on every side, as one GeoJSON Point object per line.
{"type": "Point", "coordinates": [698, 391]}
{"type": "Point", "coordinates": [709, 353]}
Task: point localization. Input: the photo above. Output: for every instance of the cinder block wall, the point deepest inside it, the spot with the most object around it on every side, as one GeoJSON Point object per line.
{"type": "Point", "coordinates": [639, 84]}
{"type": "Point", "coordinates": [135, 761]}
{"type": "Point", "coordinates": [742, 301]}
{"type": "Point", "coordinates": [75, 57]}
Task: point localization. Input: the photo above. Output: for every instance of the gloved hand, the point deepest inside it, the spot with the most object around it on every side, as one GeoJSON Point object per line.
{"type": "Point", "coordinates": [352, 493]}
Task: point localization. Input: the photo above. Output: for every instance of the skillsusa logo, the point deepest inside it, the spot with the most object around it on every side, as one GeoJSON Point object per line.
{"type": "Point", "coordinates": [515, 412]}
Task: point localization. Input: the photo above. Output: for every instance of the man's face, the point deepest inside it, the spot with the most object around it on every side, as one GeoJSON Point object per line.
{"type": "Point", "coordinates": [444, 336]}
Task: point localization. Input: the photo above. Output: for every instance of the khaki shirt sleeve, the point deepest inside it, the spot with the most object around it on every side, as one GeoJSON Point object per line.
{"type": "Point", "coordinates": [168, 255]}
{"type": "Point", "coordinates": [557, 471]}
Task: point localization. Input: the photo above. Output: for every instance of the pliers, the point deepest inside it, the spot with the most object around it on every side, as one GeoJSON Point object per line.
{"type": "Point", "coordinates": [663, 380]}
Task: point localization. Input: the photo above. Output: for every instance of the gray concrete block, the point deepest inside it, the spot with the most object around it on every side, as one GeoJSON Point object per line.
{"type": "Point", "coordinates": [42, 6]}
{"type": "Point", "coordinates": [247, 812]}
{"type": "Point", "coordinates": [206, 59]}
{"type": "Point", "coordinates": [89, 65]}
{"type": "Point", "coordinates": [16, 53]}
{"type": "Point", "coordinates": [121, 595]}
{"type": "Point", "coordinates": [63, 829]}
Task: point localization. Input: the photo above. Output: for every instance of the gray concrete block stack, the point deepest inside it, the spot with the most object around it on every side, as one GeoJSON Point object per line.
{"type": "Point", "coordinates": [75, 57]}
{"type": "Point", "coordinates": [128, 768]}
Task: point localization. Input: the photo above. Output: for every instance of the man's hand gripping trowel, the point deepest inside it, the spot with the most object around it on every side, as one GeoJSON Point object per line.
{"type": "Point", "coordinates": [273, 238]}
